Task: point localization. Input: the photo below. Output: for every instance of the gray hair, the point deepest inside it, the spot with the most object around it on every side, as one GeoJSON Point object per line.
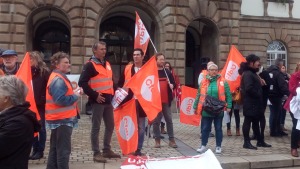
{"type": "Point", "coordinates": [14, 88]}
{"type": "Point", "coordinates": [95, 45]}
{"type": "Point", "coordinates": [279, 62]}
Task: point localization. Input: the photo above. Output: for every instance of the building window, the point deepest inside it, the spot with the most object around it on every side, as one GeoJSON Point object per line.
{"type": "Point", "coordinates": [276, 50]}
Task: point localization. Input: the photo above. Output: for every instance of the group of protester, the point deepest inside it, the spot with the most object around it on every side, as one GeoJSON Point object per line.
{"type": "Point", "coordinates": [258, 88]}
{"type": "Point", "coordinates": [57, 105]}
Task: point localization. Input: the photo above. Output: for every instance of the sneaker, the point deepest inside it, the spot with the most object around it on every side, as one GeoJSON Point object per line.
{"type": "Point", "coordinates": [110, 154]}
{"type": "Point", "coordinates": [202, 149]}
{"type": "Point", "coordinates": [218, 150]}
{"type": "Point", "coordinates": [99, 158]}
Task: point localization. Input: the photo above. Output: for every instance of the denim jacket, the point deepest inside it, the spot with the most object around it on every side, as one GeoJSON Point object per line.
{"type": "Point", "coordinates": [58, 90]}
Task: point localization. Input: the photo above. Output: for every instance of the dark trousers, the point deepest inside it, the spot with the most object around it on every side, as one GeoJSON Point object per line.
{"type": "Point", "coordinates": [295, 136]}
{"type": "Point", "coordinates": [275, 128]}
{"type": "Point", "coordinates": [255, 126]}
{"type": "Point", "coordinates": [100, 111]}
{"type": "Point", "coordinates": [237, 118]}
{"type": "Point", "coordinates": [40, 141]}
{"type": "Point", "coordinates": [60, 148]}
{"type": "Point", "coordinates": [282, 117]}
{"type": "Point", "coordinates": [262, 126]}
{"type": "Point", "coordinates": [166, 112]}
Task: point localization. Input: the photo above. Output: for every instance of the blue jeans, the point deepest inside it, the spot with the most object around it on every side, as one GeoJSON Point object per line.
{"type": "Point", "coordinates": [271, 115]}
{"type": "Point", "coordinates": [206, 128]}
{"type": "Point", "coordinates": [141, 130]}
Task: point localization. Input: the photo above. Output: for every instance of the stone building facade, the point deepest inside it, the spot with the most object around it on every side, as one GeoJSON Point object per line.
{"type": "Point", "coordinates": [188, 32]}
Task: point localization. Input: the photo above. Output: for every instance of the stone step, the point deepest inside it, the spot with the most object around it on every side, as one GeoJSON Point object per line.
{"type": "Point", "coordinates": [259, 162]}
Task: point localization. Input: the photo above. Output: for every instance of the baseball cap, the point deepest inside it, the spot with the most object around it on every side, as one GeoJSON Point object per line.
{"type": "Point", "coordinates": [9, 53]}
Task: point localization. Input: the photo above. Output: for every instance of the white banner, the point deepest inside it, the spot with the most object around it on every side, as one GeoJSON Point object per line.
{"type": "Point", "coordinates": [74, 80]}
{"type": "Point", "coordinates": [203, 161]}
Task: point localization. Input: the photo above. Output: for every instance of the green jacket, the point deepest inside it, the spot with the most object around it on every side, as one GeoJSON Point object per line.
{"type": "Point", "coordinates": [212, 90]}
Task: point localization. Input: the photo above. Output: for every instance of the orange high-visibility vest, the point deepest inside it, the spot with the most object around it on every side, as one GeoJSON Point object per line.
{"type": "Point", "coordinates": [203, 91]}
{"type": "Point", "coordinates": [103, 82]}
{"type": "Point", "coordinates": [127, 73]}
{"type": "Point", "coordinates": [204, 73]}
{"type": "Point", "coordinates": [57, 112]}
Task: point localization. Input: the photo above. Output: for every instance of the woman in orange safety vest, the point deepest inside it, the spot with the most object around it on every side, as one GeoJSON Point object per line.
{"type": "Point", "coordinates": [216, 86]}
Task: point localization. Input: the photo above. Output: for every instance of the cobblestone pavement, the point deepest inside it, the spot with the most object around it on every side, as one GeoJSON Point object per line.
{"type": "Point", "coordinates": [187, 137]}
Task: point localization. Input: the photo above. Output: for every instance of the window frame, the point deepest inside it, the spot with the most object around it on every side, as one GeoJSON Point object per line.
{"type": "Point", "coordinates": [275, 52]}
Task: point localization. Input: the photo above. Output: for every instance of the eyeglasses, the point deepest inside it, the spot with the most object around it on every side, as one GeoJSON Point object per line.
{"type": "Point", "coordinates": [213, 70]}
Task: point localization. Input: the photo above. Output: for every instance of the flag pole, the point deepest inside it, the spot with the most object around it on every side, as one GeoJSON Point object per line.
{"type": "Point", "coordinates": [176, 104]}
{"type": "Point", "coordinates": [163, 66]}
{"type": "Point", "coordinates": [152, 44]}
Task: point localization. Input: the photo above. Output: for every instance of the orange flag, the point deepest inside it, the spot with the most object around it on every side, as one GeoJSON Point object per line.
{"type": "Point", "coordinates": [126, 126]}
{"type": "Point", "coordinates": [230, 70]}
{"type": "Point", "coordinates": [24, 73]}
{"type": "Point", "coordinates": [187, 101]}
{"type": "Point", "coordinates": [145, 86]}
{"type": "Point", "coordinates": [141, 36]}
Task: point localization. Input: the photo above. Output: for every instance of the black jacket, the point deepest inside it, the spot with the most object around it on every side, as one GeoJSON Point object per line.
{"type": "Point", "coordinates": [87, 73]}
{"type": "Point", "coordinates": [252, 93]}
{"type": "Point", "coordinates": [39, 83]}
{"type": "Point", "coordinates": [278, 85]}
{"type": "Point", "coordinates": [265, 76]}
{"type": "Point", "coordinates": [17, 125]}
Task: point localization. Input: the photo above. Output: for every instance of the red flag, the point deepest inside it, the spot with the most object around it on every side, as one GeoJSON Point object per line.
{"type": "Point", "coordinates": [145, 86]}
{"type": "Point", "coordinates": [141, 36]}
{"type": "Point", "coordinates": [24, 73]}
{"type": "Point", "coordinates": [230, 70]}
{"type": "Point", "coordinates": [126, 126]}
{"type": "Point", "coordinates": [187, 116]}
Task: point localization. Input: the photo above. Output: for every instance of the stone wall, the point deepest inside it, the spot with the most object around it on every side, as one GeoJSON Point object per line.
{"type": "Point", "coordinates": [256, 34]}
{"type": "Point", "coordinates": [171, 17]}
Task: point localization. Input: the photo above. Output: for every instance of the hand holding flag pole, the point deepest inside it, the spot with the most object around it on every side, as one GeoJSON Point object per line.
{"type": "Point", "coordinates": [168, 78]}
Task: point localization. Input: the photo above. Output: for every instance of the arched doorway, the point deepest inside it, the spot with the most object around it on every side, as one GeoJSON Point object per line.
{"type": "Point", "coordinates": [117, 30]}
{"type": "Point", "coordinates": [118, 33]}
{"type": "Point", "coordinates": [51, 37]}
{"type": "Point", "coordinates": [48, 32]}
{"type": "Point", "coordinates": [201, 47]}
